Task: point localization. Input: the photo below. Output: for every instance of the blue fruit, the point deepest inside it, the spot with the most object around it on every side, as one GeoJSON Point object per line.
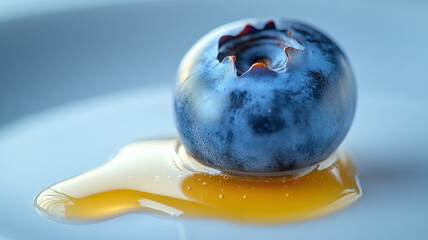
{"type": "Point", "coordinates": [263, 96]}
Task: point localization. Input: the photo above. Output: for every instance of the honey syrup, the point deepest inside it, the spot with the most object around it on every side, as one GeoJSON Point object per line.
{"type": "Point", "coordinates": [158, 176]}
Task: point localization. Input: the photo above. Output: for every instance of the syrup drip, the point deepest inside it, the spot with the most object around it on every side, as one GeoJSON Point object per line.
{"type": "Point", "coordinates": [159, 177]}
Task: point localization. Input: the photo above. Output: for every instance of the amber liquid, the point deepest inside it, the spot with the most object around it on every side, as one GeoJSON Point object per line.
{"type": "Point", "coordinates": [159, 177]}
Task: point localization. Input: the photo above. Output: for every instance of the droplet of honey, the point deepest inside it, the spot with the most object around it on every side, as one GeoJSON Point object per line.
{"type": "Point", "coordinates": [102, 193]}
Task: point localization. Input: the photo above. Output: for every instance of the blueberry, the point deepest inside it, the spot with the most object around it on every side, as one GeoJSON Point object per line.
{"type": "Point", "coordinates": [261, 95]}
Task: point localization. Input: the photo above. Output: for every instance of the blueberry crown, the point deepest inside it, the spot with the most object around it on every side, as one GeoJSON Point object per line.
{"type": "Point", "coordinates": [251, 49]}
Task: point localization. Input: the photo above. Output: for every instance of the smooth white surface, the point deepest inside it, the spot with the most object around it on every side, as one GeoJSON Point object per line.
{"type": "Point", "coordinates": [387, 143]}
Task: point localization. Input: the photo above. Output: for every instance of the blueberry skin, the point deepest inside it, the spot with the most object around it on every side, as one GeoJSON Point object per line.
{"type": "Point", "coordinates": [266, 119]}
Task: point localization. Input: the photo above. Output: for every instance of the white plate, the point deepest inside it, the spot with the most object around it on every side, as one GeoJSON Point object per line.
{"type": "Point", "coordinates": [388, 139]}
{"type": "Point", "coordinates": [388, 147]}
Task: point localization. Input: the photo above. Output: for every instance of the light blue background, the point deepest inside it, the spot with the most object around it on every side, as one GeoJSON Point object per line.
{"type": "Point", "coordinates": [53, 52]}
